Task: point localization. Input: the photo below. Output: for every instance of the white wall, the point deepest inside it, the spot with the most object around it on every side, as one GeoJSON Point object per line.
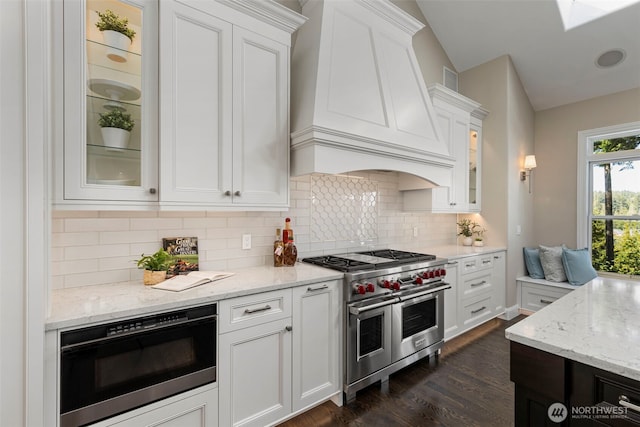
{"type": "Point", "coordinates": [507, 135]}
{"type": "Point", "coordinates": [555, 181]}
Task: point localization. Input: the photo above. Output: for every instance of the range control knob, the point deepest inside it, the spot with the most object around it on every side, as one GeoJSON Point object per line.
{"type": "Point", "coordinates": [369, 287]}
{"type": "Point", "coordinates": [418, 280]}
{"type": "Point", "coordinates": [437, 273]}
{"type": "Point", "coordinates": [359, 289]}
{"type": "Point", "coordinates": [443, 272]}
{"type": "Point", "coordinates": [385, 284]}
{"type": "Point", "coordinates": [395, 286]}
{"type": "Point", "coordinates": [425, 274]}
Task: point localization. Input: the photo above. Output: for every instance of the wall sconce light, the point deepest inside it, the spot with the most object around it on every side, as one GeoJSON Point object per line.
{"type": "Point", "coordinates": [529, 164]}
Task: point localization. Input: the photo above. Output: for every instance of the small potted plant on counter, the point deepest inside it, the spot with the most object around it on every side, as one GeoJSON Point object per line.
{"type": "Point", "coordinates": [479, 232]}
{"type": "Point", "coordinates": [467, 228]}
{"type": "Point", "coordinates": [115, 126]}
{"type": "Point", "coordinates": [116, 33]}
{"type": "Point", "coordinates": [155, 266]}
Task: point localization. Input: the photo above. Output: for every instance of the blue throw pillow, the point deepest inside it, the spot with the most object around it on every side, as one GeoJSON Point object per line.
{"type": "Point", "coordinates": [532, 261]}
{"type": "Point", "coordinates": [577, 266]}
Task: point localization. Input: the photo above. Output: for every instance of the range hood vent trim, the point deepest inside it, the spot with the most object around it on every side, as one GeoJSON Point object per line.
{"type": "Point", "coordinates": [358, 55]}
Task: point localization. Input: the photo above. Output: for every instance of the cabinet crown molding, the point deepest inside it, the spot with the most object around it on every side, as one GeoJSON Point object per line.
{"type": "Point", "coordinates": [438, 91]}
{"type": "Point", "coordinates": [268, 11]}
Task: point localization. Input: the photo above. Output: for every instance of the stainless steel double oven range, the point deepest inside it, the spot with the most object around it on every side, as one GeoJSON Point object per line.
{"type": "Point", "coordinates": [394, 313]}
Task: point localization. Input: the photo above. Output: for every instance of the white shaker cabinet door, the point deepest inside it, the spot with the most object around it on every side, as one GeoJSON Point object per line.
{"type": "Point", "coordinates": [260, 120]}
{"type": "Point", "coordinates": [316, 343]}
{"type": "Point", "coordinates": [195, 106]}
{"type": "Point", "coordinates": [255, 374]}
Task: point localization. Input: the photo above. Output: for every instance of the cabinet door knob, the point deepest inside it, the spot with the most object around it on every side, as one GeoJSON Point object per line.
{"type": "Point", "coordinates": [288, 328]}
{"type": "Point", "coordinates": [237, 193]}
{"type": "Point", "coordinates": [152, 190]}
{"type": "Point", "coordinates": [227, 193]}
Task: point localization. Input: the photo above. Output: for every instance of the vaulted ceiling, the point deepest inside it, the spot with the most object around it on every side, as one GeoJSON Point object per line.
{"type": "Point", "coordinates": [556, 67]}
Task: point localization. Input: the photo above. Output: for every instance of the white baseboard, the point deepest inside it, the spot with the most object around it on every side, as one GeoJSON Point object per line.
{"type": "Point", "coordinates": [511, 312]}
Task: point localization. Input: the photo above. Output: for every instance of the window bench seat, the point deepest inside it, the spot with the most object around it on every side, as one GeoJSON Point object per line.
{"type": "Point", "coordinates": [534, 294]}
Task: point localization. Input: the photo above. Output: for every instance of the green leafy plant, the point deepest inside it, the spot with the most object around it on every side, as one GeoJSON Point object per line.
{"type": "Point", "coordinates": [159, 261]}
{"type": "Point", "coordinates": [479, 232]}
{"type": "Point", "coordinates": [116, 119]}
{"type": "Point", "coordinates": [467, 227]}
{"type": "Point", "coordinates": [111, 21]}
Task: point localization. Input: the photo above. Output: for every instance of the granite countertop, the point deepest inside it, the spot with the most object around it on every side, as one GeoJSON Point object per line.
{"type": "Point", "coordinates": [598, 324]}
{"type": "Point", "coordinates": [81, 306]}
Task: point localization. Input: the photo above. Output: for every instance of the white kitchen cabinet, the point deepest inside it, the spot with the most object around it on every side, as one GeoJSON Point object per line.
{"type": "Point", "coordinates": [460, 121]}
{"type": "Point", "coordinates": [451, 325]}
{"type": "Point", "coordinates": [279, 353]}
{"type": "Point", "coordinates": [196, 408]}
{"type": "Point", "coordinates": [535, 294]}
{"type": "Point", "coordinates": [481, 282]}
{"type": "Point", "coordinates": [316, 343]}
{"type": "Point", "coordinates": [224, 107]}
{"type": "Point", "coordinates": [97, 78]}
{"type": "Point", "coordinates": [221, 92]}
{"type": "Point", "coordinates": [255, 374]}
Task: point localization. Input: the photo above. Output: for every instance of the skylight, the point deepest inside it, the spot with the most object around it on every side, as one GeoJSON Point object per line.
{"type": "Point", "coordinates": [577, 12]}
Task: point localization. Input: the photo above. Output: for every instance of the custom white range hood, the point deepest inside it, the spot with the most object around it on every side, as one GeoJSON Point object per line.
{"type": "Point", "coordinates": [359, 101]}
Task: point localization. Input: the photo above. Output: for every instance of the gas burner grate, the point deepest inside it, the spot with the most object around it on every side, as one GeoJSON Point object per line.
{"type": "Point", "coordinates": [400, 256]}
{"type": "Point", "coordinates": [340, 264]}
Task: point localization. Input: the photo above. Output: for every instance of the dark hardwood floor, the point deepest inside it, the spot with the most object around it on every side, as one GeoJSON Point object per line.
{"type": "Point", "coordinates": [469, 386]}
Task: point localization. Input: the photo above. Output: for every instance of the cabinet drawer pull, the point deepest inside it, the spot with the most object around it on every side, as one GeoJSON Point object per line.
{"type": "Point", "coordinates": [319, 288]}
{"type": "Point", "coordinates": [452, 263]}
{"type": "Point", "coordinates": [257, 310]}
{"type": "Point", "coordinates": [469, 265]}
{"type": "Point", "coordinates": [545, 301]}
{"type": "Point", "coordinates": [486, 261]}
{"type": "Point", "coordinates": [626, 402]}
{"type": "Point", "coordinates": [473, 285]}
{"type": "Point", "coordinates": [478, 310]}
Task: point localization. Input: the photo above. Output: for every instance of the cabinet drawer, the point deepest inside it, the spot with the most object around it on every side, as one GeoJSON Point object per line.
{"type": "Point", "coordinates": [477, 309]}
{"type": "Point", "coordinates": [476, 283]}
{"type": "Point", "coordinates": [473, 264]}
{"type": "Point", "coordinates": [535, 297]}
{"type": "Point", "coordinates": [251, 310]}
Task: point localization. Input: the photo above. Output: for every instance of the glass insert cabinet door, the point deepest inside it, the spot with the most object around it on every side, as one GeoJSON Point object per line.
{"type": "Point", "coordinates": [110, 100]}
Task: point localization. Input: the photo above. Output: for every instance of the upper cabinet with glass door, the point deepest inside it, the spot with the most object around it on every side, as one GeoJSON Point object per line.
{"type": "Point", "coordinates": [110, 102]}
{"type": "Point", "coordinates": [474, 173]}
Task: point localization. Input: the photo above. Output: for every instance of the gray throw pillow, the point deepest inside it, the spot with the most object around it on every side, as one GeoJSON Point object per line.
{"type": "Point", "coordinates": [551, 260]}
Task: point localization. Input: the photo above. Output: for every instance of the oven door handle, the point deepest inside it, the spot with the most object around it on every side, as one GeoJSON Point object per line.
{"type": "Point", "coordinates": [426, 292]}
{"type": "Point", "coordinates": [357, 310]}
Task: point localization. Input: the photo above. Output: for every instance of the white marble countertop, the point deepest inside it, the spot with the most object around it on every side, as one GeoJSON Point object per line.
{"type": "Point", "coordinates": [459, 251]}
{"type": "Point", "coordinates": [598, 324]}
{"type": "Point", "coordinates": [74, 307]}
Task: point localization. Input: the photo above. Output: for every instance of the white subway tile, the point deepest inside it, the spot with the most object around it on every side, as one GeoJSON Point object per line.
{"type": "Point", "coordinates": [98, 251]}
{"type": "Point", "coordinates": [156, 223]}
{"type": "Point", "coordinates": [75, 239]}
{"type": "Point", "coordinates": [96, 224]}
{"type": "Point", "coordinates": [97, 278]}
{"type": "Point", "coordinates": [111, 237]}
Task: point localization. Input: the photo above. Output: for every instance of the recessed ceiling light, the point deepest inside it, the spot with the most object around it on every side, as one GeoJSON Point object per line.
{"type": "Point", "coordinates": [610, 58]}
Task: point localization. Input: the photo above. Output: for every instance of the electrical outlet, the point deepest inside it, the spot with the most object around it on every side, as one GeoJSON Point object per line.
{"type": "Point", "coordinates": [415, 231]}
{"type": "Point", "coordinates": [246, 241]}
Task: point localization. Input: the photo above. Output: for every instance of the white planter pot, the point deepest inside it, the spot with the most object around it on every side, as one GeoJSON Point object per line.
{"type": "Point", "coordinates": [118, 45]}
{"type": "Point", "coordinates": [115, 138]}
{"type": "Point", "coordinates": [467, 241]}
{"type": "Point", "coordinates": [478, 243]}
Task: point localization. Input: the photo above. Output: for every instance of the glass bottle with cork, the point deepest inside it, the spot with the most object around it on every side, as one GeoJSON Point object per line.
{"type": "Point", "coordinates": [287, 233]}
{"type": "Point", "coordinates": [290, 252]}
{"type": "Point", "coordinates": [278, 250]}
